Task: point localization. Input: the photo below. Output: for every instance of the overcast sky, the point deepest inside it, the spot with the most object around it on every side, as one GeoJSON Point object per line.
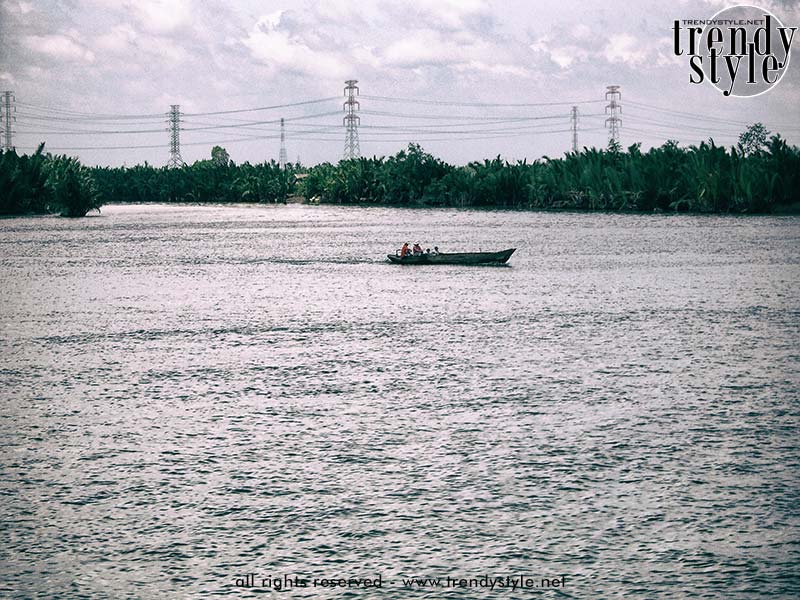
{"type": "Point", "coordinates": [76, 65]}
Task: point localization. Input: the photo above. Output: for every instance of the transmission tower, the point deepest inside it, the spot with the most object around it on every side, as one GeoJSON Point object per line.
{"type": "Point", "coordinates": [174, 115]}
{"type": "Point", "coordinates": [6, 112]}
{"type": "Point", "coordinates": [282, 156]}
{"type": "Point", "coordinates": [351, 120]}
{"type": "Point", "coordinates": [614, 108]}
{"type": "Point", "coordinates": [574, 118]}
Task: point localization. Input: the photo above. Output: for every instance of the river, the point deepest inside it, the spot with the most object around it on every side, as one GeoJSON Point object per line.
{"type": "Point", "coordinates": [197, 394]}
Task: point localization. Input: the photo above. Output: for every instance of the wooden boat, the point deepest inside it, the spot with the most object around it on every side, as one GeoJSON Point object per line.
{"type": "Point", "coordinates": [453, 258]}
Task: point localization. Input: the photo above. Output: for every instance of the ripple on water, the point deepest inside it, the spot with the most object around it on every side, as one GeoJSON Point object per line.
{"type": "Point", "coordinates": [194, 393]}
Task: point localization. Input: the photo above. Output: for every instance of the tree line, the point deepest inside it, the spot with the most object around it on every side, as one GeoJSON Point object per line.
{"type": "Point", "coordinates": [43, 183]}
{"type": "Point", "coordinates": [761, 174]}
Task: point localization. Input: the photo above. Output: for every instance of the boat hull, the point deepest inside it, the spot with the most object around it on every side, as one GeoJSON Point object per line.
{"type": "Point", "coordinates": [455, 258]}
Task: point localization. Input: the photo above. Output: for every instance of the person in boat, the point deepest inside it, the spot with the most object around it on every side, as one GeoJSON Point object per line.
{"type": "Point", "coordinates": [427, 250]}
{"type": "Point", "coordinates": [405, 251]}
{"type": "Point", "coordinates": [435, 250]}
{"type": "Point", "coordinates": [417, 250]}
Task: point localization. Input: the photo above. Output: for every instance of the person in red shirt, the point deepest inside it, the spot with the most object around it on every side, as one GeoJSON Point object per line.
{"type": "Point", "coordinates": [405, 251]}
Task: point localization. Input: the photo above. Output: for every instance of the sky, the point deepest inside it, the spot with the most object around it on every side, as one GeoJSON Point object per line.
{"type": "Point", "coordinates": [466, 79]}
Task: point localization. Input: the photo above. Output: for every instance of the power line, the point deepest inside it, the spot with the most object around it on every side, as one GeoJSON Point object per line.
{"type": "Point", "coordinates": [64, 114]}
{"type": "Point", "coordinates": [244, 125]}
{"type": "Point", "coordinates": [77, 114]}
{"type": "Point", "coordinates": [271, 122]}
{"type": "Point", "coordinates": [476, 104]}
{"type": "Point", "coordinates": [706, 124]}
{"type": "Point", "coordinates": [94, 132]}
{"type": "Point", "coordinates": [693, 116]}
{"type": "Point", "coordinates": [400, 129]}
{"type": "Point", "coordinates": [452, 117]}
{"type": "Point", "coordinates": [683, 127]}
{"type": "Point", "coordinates": [478, 137]}
{"type": "Point", "coordinates": [471, 120]}
{"type": "Point", "coordinates": [203, 143]}
{"type": "Point", "coordinates": [81, 120]}
{"type": "Point", "coordinates": [509, 121]}
{"type": "Point", "coordinates": [274, 106]}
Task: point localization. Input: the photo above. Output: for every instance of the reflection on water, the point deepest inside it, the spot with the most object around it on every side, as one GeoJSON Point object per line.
{"type": "Point", "coordinates": [195, 393]}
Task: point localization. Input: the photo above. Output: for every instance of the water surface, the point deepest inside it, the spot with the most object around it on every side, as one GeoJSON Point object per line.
{"type": "Point", "coordinates": [194, 393]}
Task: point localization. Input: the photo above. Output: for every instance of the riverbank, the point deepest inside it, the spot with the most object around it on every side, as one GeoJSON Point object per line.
{"type": "Point", "coordinates": [704, 179]}
{"type": "Point", "coordinates": [300, 201]}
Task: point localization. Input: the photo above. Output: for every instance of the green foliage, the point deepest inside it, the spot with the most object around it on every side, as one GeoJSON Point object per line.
{"type": "Point", "coordinates": [704, 178]}
{"type": "Point", "coordinates": [73, 190]}
{"type": "Point", "coordinates": [23, 183]}
{"type": "Point", "coordinates": [215, 180]}
{"type": "Point", "coordinates": [42, 183]}
{"type": "Point", "coordinates": [758, 176]}
{"type": "Point", "coordinates": [220, 156]}
{"type": "Point", "coordinates": [753, 139]}
{"type": "Point", "coordinates": [401, 179]}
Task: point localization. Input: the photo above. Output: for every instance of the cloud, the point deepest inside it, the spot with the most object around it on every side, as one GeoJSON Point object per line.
{"type": "Point", "coordinates": [492, 69]}
{"type": "Point", "coordinates": [581, 31]}
{"type": "Point", "coordinates": [574, 47]}
{"type": "Point", "coordinates": [18, 8]}
{"type": "Point", "coordinates": [635, 52]}
{"type": "Point", "coordinates": [61, 47]}
{"type": "Point", "coordinates": [431, 47]}
{"type": "Point", "coordinates": [274, 43]}
{"type": "Point", "coordinates": [142, 55]}
{"type": "Point", "coordinates": [119, 40]}
{"type": "Point", "coordinates": [345, 13]}
{"type": "Point", "coordinates": [333, 39]}
{"type": "Point", "coordinates": [435, 14]}
{"type": "Point", "coordinates": [421, 48]}
{"type": "Point", "coordinates": [452, 14]}
{"type": "Point", "coordinates": [625, 48]}
{"type": "Point", "coordinates": [162, 16]}
{"type": "Point", "coordinates": [365, 55]}
{"type": "Point", "coordinates": [165, 50]}
{"type": "Point", "coordinates": [125, 41]}
{"type": "Point", "coordinates": [565, 56]}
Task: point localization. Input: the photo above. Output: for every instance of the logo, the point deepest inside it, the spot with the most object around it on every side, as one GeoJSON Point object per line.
{"type": "Point", "coordinates": [742, 50]}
